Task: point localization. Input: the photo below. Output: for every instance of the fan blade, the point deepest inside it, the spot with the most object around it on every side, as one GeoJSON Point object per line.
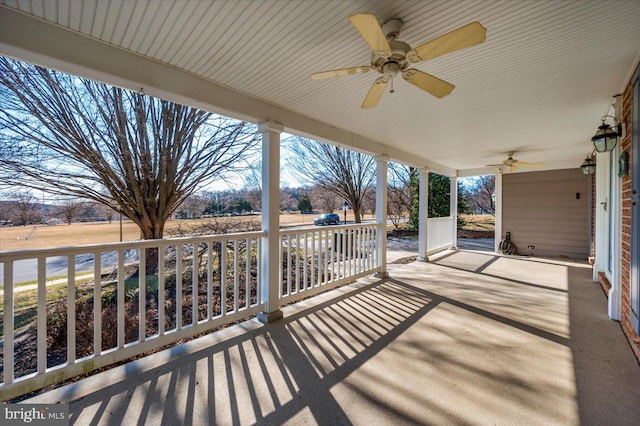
{"type": "Point", "coordinates": [428, 83]}
{"type": "Point", "coordinates": [375, 93]}
{"type": "Point", "coordinates": [369, 28]}
{"type": "Point", "coordinates": [494, 165]}
{"type": "Point", "coordinates": [466, 36]}
{"type": "Point", "coordinates": [338, 73]}
{"type": "Point", "coordinates": [524, 163]}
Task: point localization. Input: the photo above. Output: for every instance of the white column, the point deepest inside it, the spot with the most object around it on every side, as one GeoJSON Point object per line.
{"type": "Point", "coordinates": [270, 221]}
{"type": "Point", "coordinates": [453, 208]}
{"type": "Point", "coordinates": [602, 203]}
{"type": "Point", "coordinates": [381, 215]}
{"type": "Point", "coordinates": [423, 216]}
{"type": "Point", "coordinates": [498, 206]}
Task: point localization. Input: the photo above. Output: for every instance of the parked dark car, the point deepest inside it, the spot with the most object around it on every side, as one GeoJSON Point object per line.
{"type": "Point", "coordinates": [327, 219]}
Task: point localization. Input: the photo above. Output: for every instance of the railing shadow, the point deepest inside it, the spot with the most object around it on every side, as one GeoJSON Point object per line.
{"type": "Point", "coordinates": [268, 375]}
{"type": "Point", "coordinates": [422, 347]}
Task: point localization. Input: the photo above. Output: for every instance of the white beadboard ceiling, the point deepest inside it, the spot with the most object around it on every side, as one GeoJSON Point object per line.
{"type": "Point", "coordinates": [538, 85]}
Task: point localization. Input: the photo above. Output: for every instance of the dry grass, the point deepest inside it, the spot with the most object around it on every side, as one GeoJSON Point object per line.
{"type": "Point", "coordinates": [104, 232]}
{"type": "Point", "coordinates": [479, 222]}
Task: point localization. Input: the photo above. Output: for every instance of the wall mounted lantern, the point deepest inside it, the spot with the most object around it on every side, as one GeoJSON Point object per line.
{"type": "Point", "coordinates": [589, 166]}
{"type": "Point", "coordinates": [606, 137]}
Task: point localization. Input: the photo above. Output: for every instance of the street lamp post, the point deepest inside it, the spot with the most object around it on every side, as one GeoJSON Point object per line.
{"type": "Point", "coordinates": [345, 211]}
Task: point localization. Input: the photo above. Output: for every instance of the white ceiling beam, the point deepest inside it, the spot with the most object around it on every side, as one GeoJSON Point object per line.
{"type": "Point", "coordinates": [33, 40]}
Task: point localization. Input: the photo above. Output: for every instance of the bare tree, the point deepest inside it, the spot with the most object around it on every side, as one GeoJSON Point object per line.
{"type": "Point", "coordinates": [105, 212]}
{"type": "Point", "coordinates": [480, 194]}
{"type": "Point", "coordinates": [397, 205]}
{"type": "Point", "coordinates": [399, 196]}
{"type": "Point", "coordinates": [287, 200]}
{"type": "Point", "coordinates": [139, 155]}
{"type": "Point", "coordinates": [254, 197]}
{"type": "Point", "coordinates": [253, 185]}
{"type": "Point", "coordinates": [346, 173]}
{"type": "Point", "coordinates": [193, 206]}
{"type": "Point", "coordinates": [69, 209]}
{"type": "Point", "coordinates": [369, 201]}
{"type": "Point", "coordinates": [6, 212]}
{"type": "Point", "coordinates": [26, 210]}
{"type": "Point", "coordinates": [323, 199]}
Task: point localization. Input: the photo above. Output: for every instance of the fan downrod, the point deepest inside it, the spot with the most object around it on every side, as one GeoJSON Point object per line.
{"type": "Point", "coordinates": [392, 28]}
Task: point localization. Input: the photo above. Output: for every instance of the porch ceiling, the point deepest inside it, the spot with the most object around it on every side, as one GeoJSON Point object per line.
{"type": "Point", "coordinates": [538, 85]}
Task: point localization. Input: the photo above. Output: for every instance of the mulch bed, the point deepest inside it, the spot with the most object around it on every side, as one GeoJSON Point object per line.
{"type": "Point", "coordinates": [475, 234]}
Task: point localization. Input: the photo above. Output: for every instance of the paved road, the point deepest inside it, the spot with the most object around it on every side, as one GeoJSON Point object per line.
{"type": "Point", "coordinates": [27, 270]}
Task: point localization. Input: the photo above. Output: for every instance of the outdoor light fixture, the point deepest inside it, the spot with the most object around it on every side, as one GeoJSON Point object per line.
{"type": "Point", "coordinates": [606, 137]}
{"type": "Point", "coordinates": [589, 166]}
{"type": "Point", "coordinates": [344, 207]}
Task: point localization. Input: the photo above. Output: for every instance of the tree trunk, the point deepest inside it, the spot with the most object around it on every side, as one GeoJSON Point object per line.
{"type": "Point", "coordinates": [356, 214]}
{"type": "Point", "coordinates": [151, 259]}
{"type": "Point", "coordinates": [152, 231]}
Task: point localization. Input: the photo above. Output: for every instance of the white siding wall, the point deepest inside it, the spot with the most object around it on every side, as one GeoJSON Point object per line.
{"type": "Point", "coordinates": [542, 209]}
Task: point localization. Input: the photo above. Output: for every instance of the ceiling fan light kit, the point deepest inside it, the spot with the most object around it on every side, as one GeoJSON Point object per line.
{"type": "Point", "coordinates": [390, 56]}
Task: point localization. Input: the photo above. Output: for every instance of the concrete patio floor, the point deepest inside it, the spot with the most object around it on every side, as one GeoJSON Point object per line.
{"type": "Point", "coordinates": [470, 338]}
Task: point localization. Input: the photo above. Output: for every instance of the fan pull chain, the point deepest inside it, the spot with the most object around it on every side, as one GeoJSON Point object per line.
{"type": "Point", "coordinates": [391, 90]}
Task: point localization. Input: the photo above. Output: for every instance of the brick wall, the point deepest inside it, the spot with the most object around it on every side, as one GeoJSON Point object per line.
{"type": "Point", "coordinates": [626, 228]}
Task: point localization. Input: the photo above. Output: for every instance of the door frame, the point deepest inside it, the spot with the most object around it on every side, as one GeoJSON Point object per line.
{"type": "Point", "coordinates": [634, 279]}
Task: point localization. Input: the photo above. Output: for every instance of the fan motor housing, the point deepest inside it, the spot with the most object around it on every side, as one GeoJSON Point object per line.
{"type": "Point", "coordinates": [398, 57]}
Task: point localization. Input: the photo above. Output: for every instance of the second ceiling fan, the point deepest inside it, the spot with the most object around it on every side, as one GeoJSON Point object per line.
{"type": "Point", "coordinates": [511, 164]}
{"type": "Point", "coordinates": [391, 56]}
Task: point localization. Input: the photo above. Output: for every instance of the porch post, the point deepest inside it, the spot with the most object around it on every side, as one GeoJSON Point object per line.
{"type": "Point", "coordinates": [381, 215]}
{"type": "Point", "coordinates": [453, 209]}
{"type": "Point", "coordinates": [498, 207]}
{"type": "Point", "coordinates": [423, 215]}
{"type": "Point", "coordinates": [602, 203]}
{"type": "Point", "coordinates": [270, 221]}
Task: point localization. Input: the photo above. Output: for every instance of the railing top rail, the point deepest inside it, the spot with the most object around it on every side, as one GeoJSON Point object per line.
{"type": "Point", "coordinates": [312, 228]}
{"type": "Point", "coordinates": [89, 248]}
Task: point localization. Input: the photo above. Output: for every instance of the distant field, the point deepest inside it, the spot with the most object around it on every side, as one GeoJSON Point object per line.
{"type": "Point", "coordinates": [12, 238]}
{"type": "Point", "coordinates": [479, 222]}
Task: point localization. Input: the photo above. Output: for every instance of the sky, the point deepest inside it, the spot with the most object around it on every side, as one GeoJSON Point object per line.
{"type": "Point", "coordinates": [239, 180]}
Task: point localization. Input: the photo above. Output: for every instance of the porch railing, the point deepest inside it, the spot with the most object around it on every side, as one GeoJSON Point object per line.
{"type": "Point", "coordinates": [114, 301]}
{"type": "Point", "coordinates": [316, 259]}
{"type": "Point", "coordinates": [440, 234]}
{"type": "Point", "coordinates": [91, 306]}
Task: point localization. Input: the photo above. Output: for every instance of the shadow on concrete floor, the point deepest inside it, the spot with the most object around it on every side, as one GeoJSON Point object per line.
{"type": "Point", "coordinates": [470, 338]}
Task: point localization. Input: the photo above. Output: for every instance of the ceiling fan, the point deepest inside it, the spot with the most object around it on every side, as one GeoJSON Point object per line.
{"type": "Point", "coordinates": [512, 164]}
{"type": "Point", "coordinates": [391, 56]}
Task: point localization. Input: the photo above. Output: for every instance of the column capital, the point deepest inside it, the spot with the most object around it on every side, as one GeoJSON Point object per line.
{"type": "Point", "coordinates": [381, 158]}
{"type": "Point", "coordinates": [270, 126]}
{"type": "Point", "coordinates": [423, 170]}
